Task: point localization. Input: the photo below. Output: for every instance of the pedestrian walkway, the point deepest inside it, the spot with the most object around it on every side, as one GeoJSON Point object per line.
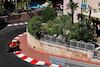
{"type": "Point", "coordinates": [30, 55]}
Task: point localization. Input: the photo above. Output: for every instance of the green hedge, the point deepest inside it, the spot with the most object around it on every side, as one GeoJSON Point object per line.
{"type": "Point", "coordinates": [65, 18]}
{"type": "Point", "coordinates": [34, 26]}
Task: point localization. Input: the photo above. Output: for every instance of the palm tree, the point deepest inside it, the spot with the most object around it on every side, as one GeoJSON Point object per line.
{"type": "Point", "coordinates": [81, 16]}
{"type": "Point", "coordinates": [90, 10]}
{"type": "Point", "coordinates": [72, 5]}
{"type": "Point", "coordinates": [23, 4]}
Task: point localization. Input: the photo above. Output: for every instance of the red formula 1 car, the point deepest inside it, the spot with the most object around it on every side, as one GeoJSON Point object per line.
{"type": "Point", "coordinates": [13, 46]}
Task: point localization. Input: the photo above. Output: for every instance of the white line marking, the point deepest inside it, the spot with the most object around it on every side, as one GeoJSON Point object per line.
{"type": "Point", "coordinates": [24, 33]}
{"type": "Point", "coordinates": [25, 22]}
{"type": "Point", "coordinates": [40, 63]}
{"type": "Point", "coordinates": [54, 65]}
{"type": "Point", "coordinates": [28, 59]}
{"type": "Point", "coordinates": [15, 24]}
{"type": "Point", "coordinates": [14, 40]}
{"type": "Point", "coordinates": [21, 23]}
{"type": "Point", "coordinates": [9, 25]}
{"type": "Point", "coordinates": [20, 35]}
{"type": "Point", "coordinates": [16, 52]}
{"type": "Point", "coordinates": [16, 37]}
{"type": "Point", "coordinates": [20, 55]}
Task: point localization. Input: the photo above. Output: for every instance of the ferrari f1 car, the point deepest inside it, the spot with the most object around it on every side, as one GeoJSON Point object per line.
{"type": "Point", "coordinates": [13, 46]}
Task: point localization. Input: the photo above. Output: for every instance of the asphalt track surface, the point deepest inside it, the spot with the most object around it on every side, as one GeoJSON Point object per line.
{"type": "Point", "coordinates": [9, 59]}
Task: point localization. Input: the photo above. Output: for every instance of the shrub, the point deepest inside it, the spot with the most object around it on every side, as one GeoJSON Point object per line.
{"type": "Point", "coordinates": [54, 27]}
{"type": "Point", "coordinates": [48, 14]}
{"type": "Point", "coordinates": [3, 12]}
{"type": "Point", "coordinates": [65, 18]}
{"type": "Point", "coordinates": [80, 32]}
{"type": "Point", "coordinates": [34, 26]}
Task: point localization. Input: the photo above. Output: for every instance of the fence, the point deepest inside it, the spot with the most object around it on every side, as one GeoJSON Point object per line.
{"type": "Point", "coordinates": [81, 45]}
{"type": "Point", "coordinates": [97, 55]}
{"type": "Point", "coordinates": [53, 39]}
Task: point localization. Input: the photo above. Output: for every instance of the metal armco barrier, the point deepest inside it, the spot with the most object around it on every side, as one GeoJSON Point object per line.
{"type": "Point", "coordinates": [56, 60]}
{"type": "Point", "coordinates": [69, 63]}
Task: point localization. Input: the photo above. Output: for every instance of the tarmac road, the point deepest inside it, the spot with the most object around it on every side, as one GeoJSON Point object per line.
{"type": "Point", "coordinates": [9, 59]}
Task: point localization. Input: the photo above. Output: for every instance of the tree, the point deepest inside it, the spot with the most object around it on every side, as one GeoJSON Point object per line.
{"type": "Point", "coordinates": [48, 14]}
{"type": "Point", "coordinates": [49, 2]}
{"type": "Point", "coordinates": [65, 18]}
{"type": "Point", "coordinates": [73, 6]}
{"type": "Point", "coordinates": [81, 16]}
{"type": "Point", "coordinates": [54, 27]}
{"type": "Point", "coordinates": [9, 5]}
{"type": "Point", "coordinates": [89, 9]}
{"type": "Point", "coordinates": [34, 26]}
{"type": "Point", "coordinates": [23, 4]}
{"type": "Point", "coordinates": [66, 21]}
{"type": "Point", "coordinates": [79, 31]}
{"type": "Point", "coordinates": [57, 26]}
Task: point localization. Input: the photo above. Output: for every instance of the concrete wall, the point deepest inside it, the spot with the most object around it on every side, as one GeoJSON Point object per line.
{"type": "Point", "coordinates": [57, 49]}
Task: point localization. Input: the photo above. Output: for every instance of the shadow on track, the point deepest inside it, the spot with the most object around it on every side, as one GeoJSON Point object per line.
{"type": "Point", "coordinates": [2, 23]}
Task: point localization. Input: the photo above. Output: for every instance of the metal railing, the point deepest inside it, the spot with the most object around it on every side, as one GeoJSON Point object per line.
{"type": "Point", "coordinates": [96, 55]}
{"type": "Point", "coordinates": [52, 39]}
{"type": "Point", "coordinates": [81, 45]}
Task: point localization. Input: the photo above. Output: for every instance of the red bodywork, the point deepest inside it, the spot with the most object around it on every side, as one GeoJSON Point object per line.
{"type": "Point", "coordinates": [13, 44]}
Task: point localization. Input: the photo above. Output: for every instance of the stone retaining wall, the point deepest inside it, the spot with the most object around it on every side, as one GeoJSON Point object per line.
{"type": "Point", "coordinates": [57, 49]}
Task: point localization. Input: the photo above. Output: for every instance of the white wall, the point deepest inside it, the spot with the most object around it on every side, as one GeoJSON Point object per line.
{"type": "Point", "coordinates": [92, 3]}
